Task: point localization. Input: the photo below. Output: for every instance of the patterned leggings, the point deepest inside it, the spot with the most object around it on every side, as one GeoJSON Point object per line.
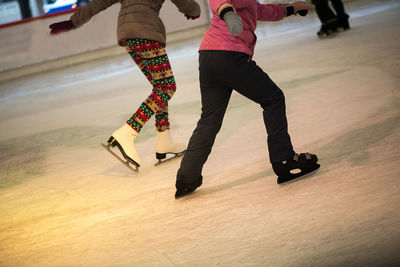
{"type": "Point", "coordinates": [152, 60]}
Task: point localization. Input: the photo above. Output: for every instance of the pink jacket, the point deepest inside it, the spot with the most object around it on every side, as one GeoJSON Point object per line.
{"type": "Point", "coordinates": [217, 37]}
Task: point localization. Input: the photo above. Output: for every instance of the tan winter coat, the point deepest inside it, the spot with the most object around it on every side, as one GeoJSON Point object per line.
{"type": "Point", "coordinates": [137, 18]}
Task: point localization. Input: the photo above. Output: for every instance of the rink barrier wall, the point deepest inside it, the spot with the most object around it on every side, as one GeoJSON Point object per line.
{"type": "Point", "coordinates": [27, 47]}
{"type": "Point", "coordinates": [70, 60]}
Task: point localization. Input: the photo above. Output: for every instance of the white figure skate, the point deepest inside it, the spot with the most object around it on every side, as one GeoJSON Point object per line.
{"type": "Point", "coordinates": [165, 145]}
{"type": "Point", "coordinates": [123, 139]}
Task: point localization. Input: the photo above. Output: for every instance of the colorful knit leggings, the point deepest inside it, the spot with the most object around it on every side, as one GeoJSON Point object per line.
{"type": "Point", "coordinates": [152, 60]}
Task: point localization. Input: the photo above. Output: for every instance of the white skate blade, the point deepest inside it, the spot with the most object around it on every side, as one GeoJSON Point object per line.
{"type": "Point", "coordinates": [126, 163]}
{"type": "Point", "coordinates": [175, 155]}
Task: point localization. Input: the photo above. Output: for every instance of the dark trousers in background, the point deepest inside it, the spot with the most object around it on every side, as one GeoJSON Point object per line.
{"type": "Point", "coordinates": [325, 13]}
{"type": "Point", "coordinates": [220, 73]}
{"type": "Point", "coordinates": [25, 8]}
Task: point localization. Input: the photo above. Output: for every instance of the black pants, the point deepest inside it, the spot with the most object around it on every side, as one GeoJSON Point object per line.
{"type": "Point", "coordinates": [220, 73]}
{"type": "Point", "coordinates": [325, 13]}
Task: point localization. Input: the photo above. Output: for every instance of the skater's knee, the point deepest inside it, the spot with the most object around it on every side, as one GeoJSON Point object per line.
{"type": "Point", "coordinates": [162, 94]}
{"type": "Point", "coordinates": [276, 97]}
{"type": "Point", "coordinates": [167, 88]}
{"type": "Point", "coordinates": [207, 129]}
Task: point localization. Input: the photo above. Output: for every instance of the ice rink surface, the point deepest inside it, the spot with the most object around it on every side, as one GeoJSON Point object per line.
{"type": "Point", "coordinates": [64, 201]}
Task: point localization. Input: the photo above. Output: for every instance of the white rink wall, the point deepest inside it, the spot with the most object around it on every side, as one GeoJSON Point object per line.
{"type": "Point", "coordinates": [29, 48]}
{"type": "Point", "coordinates": [31, 43]}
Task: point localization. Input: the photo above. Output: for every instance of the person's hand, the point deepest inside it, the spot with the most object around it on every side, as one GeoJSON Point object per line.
{"type": "Point", "coordinates": [62, 26]}
{"type": "Point", "coordinates": [192, 17]}
{"type": "Point", "coordinates": [233, 22]}
{"type": "Point", "coordinates": [301, 8]}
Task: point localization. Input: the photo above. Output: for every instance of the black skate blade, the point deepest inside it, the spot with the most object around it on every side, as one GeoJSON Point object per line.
{"type": "Point", "coordinates": [285, 181]}
{"type": "Point", "coordinates": [175, 155]}
{"type": "Point", "coordinates": [125, 163]}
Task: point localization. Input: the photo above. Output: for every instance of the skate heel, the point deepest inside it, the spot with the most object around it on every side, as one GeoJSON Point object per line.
{"type": "Point", "coordinates": [123, 139]}
{"type": "Point", "coordinates": [161, 156]}
{"type": "Point", "coordinates": [112, 142]}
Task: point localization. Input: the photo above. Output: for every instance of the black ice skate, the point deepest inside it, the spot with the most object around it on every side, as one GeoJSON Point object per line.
{"type": "Point", "coordinates": [112, 142]}
{"type": "Point", "coordinates": [184, 189]}
{"type": "Point", "coordinates": [328, 29]}
{"type": "Point", "coordinates": [344, 22]}
{"type": "Point", "coordinates": [296, 168]}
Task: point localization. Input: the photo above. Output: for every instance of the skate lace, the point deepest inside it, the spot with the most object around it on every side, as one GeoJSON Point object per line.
{"type": "Point", "coordinates": [297, 156]}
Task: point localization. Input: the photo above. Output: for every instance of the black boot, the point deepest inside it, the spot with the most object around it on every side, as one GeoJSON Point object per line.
{"type": "Point", "coordinates": [323, 31]}
{"type": "Point", "coordinates": [341, 14]}
{"type": "Point", "coordinates": [184, 188]}
{"type": "Point", "coordinates": [328, 28]}
{"type": "Point", "coordinates": [344, 22]}
{"type": "Point", "coordinates": [295, 168]}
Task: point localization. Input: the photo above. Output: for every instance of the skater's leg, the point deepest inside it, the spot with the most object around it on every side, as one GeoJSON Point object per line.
{"type": "Point", "coordinates": [133, 47]}
{"type": "Point", "coordinates": [161, 118]}
{"type": "Point", "coordinates": [164, 86]}
{"type": "Point", "coordinates": [123, 138]}
{"type": "Point", "coordinates": [165, 142]}
{"type": "Point", "coordinates": [251, 81]}
{"type": "Point", "coordinates": [323, 10]}
{"type": "Point", "coordinates": [328, 19]}
{"type": "Point", "coordinates": [219, 72]}
{"type": "Point", "coordinates": [341, 14]}
{"type": "Point", "coordinates": [153, 61]}
{"type": "Point", "coordinates": [320, 8]}
{"type": "Point", "coordinates": [214, 99]}
{"type": "Point", "coordinates": [338, 6]}
{"type": "Point", "coordinates": [164, 83]}
{"type": "Point", "coordinates": [161, 115]}
{"type": "Point", "coordinates": [214, 103]}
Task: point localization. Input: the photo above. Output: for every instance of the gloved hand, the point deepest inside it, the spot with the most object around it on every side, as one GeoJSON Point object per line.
{"type": "Point", "coordinates": [233, 22]}
{"type": "Point", "coordinates": [62, 26]}
{"type": "Point", "coordinates": [192, 17]}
